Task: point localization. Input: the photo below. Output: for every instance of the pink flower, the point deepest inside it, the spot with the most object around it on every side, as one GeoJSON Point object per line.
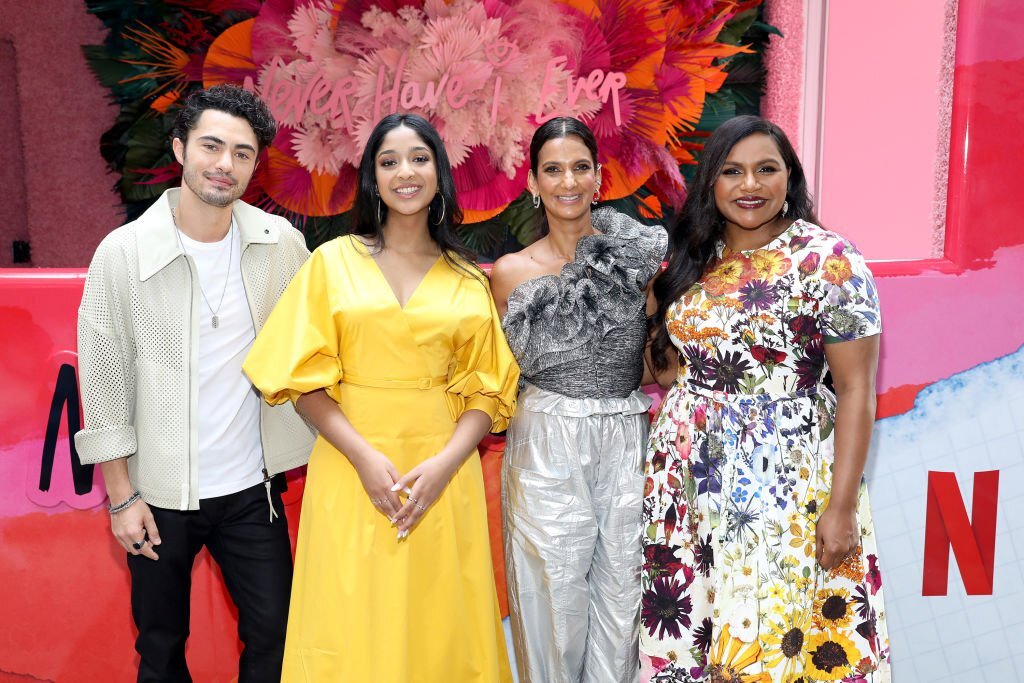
{"type": "Point", "coordinates": [485, 72]}
{"type": "Point", "coordinates": [313, 149]}
{"type": "Point", "coordinates": [683, 441]}
{"type": "Point", "coordinates": [700, 416]}
{"type": "Point", "coordinates": [873, 575]}
{"type": "Point", "coordinates": [309, 27]}
{"type": "Point", "coordinates": [809, 265]}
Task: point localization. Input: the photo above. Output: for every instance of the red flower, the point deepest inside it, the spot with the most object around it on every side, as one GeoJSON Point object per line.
{"type": "Point", "coordinates": [805, 328]}
{"type": "Point", "coordinates": [661, 560]}
{"type": "Point", "coordinates": [658, 461]}
{"type": "Point", "coordinates": [767, 356]}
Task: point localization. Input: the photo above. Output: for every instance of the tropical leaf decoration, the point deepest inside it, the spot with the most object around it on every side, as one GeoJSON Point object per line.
{"type": "Point", "coordinates": [685, 66]}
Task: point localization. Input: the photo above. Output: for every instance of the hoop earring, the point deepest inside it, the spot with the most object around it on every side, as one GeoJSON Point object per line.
{"type": "Point", "coordinates": [536, 201]}
{"type": "Point", "coordinates": [785, 207]}
{"type": "Point", "coordinates": [441, 218]}
{"type": "Point", "coordinates": [380, 212]}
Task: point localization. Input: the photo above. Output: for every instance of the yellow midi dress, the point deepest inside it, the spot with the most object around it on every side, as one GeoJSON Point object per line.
{"type": "Point", "coordinates": [366, 606]}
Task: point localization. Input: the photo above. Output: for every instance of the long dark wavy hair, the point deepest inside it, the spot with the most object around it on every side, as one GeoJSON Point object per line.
{"type": "Point", "coordinates": [555, 129]}
{"type": "Point", "coordinates": [443, 215]}
{"type": "Point", "coordinates": [699, 224]}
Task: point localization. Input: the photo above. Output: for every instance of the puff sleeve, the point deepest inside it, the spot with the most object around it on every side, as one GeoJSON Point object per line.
{"type": "Point", "coordinates": [485, 375]}
{"type": "Point", "coordinates": [297, 351]}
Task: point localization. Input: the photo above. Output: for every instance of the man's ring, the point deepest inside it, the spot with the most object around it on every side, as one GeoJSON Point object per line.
{"type": "Point", "coordinates": [138, 544]}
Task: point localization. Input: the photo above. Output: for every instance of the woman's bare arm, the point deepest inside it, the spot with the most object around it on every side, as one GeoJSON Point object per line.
{"type": "Point", "coordinates": [854, 365]}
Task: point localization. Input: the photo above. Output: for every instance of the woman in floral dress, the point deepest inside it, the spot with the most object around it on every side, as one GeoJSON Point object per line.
{"type": "Point", "coordinates": [760, 562]}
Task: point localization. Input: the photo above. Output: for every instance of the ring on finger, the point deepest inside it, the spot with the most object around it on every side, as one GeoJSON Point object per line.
{"type": "Point", "coordinates": [138, 544]}
{"type": "Point", "coordinates": [417, 504]}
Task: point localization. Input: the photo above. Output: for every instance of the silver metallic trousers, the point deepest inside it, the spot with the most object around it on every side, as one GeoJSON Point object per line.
{"type": "Point", "coordinates": [572, 496]}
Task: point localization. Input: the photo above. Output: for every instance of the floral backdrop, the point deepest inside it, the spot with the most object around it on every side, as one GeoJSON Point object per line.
{"type": "Point", "coordinates": [650, 77]}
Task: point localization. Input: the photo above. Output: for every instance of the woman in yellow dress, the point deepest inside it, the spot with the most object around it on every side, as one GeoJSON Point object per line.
{"type": "Point", "coordinates": [388, 342]}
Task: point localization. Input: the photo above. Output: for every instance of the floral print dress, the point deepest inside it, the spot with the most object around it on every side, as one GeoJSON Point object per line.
{"type": "Point", "coordinates": [739, 468]}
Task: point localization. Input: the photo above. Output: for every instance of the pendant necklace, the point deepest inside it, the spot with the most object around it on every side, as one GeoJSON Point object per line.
{"type": "Point", "coordinates": [231, 247]}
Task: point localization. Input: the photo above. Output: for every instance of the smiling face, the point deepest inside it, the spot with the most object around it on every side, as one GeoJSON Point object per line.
{"type": "Point", "coordinates": [751, 188]}
{"type": "Point", "coordinates": [218, 158]}
{"type": "Point", "coordinates": [567, 178]}
{"type": "Point", "coordinates": [405, 172]}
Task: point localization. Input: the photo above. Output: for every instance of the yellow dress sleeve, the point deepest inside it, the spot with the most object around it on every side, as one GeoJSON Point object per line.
{"type": "Point", "coordinates": [298, 351]}
{"type": "Point", "coordinates": [486, 376]}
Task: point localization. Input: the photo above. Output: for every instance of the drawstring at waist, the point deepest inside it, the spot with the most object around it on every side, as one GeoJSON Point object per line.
{"type": "Point", "coordinates": [701, 389]}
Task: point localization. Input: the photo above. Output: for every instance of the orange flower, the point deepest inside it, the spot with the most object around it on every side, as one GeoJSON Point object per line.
{"type": "Point", "coordinates": [682, 331]}
{"type": "Point", "coordinates": [836, 269]}
{"type": "Point", "coordinates": [728, 275]}
{"type": "Point", "coordinates": [768, 264]}
{"type": "Point", "coordinates": [852, 567]}
{"type": "Point", "coordinates": [693, 313]}
{"type": "Point", "coordinates": [712, 333]}
{"type": "Point", "coordinates": [730, 656]}
{"type": "Point", "coordinates": [734, 304]}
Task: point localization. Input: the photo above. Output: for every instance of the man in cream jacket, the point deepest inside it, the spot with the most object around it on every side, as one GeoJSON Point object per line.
{"type": "Point", "coordinates": [188, 449]}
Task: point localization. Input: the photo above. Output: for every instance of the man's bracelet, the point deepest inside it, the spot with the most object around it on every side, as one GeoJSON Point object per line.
{"type": "Point", "coordinates": [114, 509]}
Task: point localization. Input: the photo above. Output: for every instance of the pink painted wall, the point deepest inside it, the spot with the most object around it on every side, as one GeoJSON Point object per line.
{"type": "Point", "coordinates": [881, 124]}
{"type": "Point", "coordinates": [783, 100]}
{"type": "Point", "coordinates": [61, 198]}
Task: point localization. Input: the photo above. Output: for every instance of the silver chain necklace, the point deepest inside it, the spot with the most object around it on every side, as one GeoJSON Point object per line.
{"type": "Point", "coordinates": [231, 247]}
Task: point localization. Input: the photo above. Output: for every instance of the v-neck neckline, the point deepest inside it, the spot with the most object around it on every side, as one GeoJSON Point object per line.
{"type": "Point", "coordinates": [365, 249]}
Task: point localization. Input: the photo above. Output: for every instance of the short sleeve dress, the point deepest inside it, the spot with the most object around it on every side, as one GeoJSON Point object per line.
{"type": "Point", "coordinates": [739, 468]}
{"type": "Point", "coordinates": [366, 606]}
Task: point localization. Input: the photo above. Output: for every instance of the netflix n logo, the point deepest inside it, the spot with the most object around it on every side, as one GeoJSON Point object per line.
{"type": "Point", "coordinates": [973, 539]}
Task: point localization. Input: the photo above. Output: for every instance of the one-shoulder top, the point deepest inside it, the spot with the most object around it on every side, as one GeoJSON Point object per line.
{"type": "Point", "coordinates": [581, 333]}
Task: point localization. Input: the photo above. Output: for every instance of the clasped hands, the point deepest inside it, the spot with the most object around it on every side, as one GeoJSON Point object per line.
{"type": "Point", "coordinates": [421, 486]}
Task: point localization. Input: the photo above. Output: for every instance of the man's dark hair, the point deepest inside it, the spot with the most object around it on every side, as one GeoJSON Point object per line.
{"type": "Point", "coordinates": [229, 99]}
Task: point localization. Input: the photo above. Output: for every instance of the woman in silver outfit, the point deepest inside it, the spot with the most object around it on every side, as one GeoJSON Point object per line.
{"type": "Point", "coordinates": [573, 305]}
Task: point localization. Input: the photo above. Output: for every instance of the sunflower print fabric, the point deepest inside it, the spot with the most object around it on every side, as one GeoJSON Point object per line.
{"type": "Point", "coordinates": [739, 468]}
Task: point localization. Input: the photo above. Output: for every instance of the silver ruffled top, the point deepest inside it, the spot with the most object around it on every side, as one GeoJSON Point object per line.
{"type": "Point", "coordinates": [581, 333]}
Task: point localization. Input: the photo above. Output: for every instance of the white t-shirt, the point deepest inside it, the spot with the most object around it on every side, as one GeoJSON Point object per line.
{"type": "Point", "coordinates": [230, 450]}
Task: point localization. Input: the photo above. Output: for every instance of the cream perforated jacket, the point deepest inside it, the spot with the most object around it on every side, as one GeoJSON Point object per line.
{"type": "Point", "coordinates": [138, 345]}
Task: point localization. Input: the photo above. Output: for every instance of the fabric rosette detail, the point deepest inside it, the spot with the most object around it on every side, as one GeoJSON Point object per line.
{"type": "Point", "coordinates": [554, 319]}
{"type": "Point", "coordinates": [560, 313]}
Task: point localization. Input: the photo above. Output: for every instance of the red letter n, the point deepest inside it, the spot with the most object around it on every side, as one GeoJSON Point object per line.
{"type": "Point", "coordinates": [973, 540]}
